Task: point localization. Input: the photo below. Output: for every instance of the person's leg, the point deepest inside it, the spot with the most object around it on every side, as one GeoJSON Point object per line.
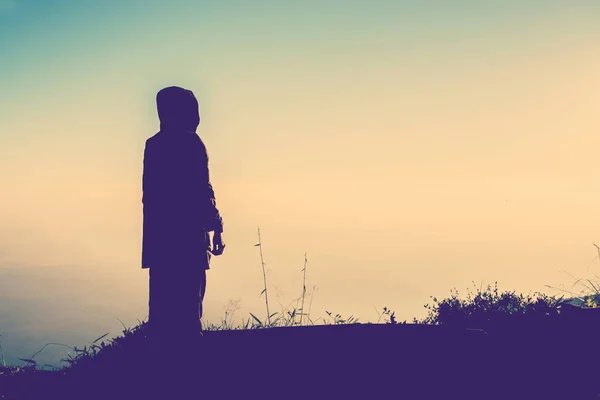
{"type": "Point", "coordinates": [203, 270]}
{"type": "Point", "coordinates": [187, 307]}
{"type": "Point", "coordinates": [175, 301]}
{"type": "Point", "coordinates": [159, 302]}
{"type": "Point", "coordinates": [201, 297]}
{"type": "Point", "coordinates": [154, 296]}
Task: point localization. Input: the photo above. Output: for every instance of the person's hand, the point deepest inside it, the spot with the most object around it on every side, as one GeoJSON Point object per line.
{"type": "Point", "coordinates": [218, 244]}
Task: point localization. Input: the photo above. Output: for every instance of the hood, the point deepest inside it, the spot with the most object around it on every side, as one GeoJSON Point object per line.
{"type": "Point", "coordinates": [177, 109]}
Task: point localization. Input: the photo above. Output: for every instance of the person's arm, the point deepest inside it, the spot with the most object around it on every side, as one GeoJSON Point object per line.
{"type": "Point", "coordinates": [214, 221]}
{"type": "Point", "coordinates": [216, 226]}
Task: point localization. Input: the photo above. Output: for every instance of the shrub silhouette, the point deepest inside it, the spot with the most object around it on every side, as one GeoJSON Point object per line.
{"type": "Point", "coordinates": [489, 308]}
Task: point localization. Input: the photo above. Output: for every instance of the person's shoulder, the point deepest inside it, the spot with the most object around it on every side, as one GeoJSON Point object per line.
{"type": "Point", "coordinates": [200, 144]}
{"type": "Point", "coordinates": [192, 136]}
{"type": "Point", "coordinates": [194, 139]}
{"type": "Point", "coordinates": [153, 138]}
{"type": "Point", "coordinates": [180, 139]}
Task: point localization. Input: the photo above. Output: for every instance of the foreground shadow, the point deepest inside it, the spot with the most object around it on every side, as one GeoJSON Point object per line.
{"type": "Point", "coordinates": [526, 361]}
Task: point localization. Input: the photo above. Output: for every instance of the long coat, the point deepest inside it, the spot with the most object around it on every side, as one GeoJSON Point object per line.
{"type": "Point", "coordinates": [179, 206]}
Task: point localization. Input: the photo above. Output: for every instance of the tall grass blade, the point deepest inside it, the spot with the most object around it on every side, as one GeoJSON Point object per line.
{"type": "Point", "coordinates": [101, 337]}
{"type": "Point", "coordinates": [256, 319]}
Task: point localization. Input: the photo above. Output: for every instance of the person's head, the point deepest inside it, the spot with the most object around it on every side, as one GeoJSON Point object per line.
{"type": "Point", "coordinates": [177, 109]}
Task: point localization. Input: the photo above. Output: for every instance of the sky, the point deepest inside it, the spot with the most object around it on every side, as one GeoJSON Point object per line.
{"type": "Point", "coordinates": [408, 147]}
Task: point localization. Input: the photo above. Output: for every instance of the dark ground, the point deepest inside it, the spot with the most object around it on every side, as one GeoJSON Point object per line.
{"type": "Point", "coordinates": [542, 360]}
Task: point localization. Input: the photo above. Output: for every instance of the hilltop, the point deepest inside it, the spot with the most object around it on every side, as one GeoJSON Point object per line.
{"type": "Point", "coordinates": [492, 345]}
{"type": "Point", "coordinates": [329, 361]}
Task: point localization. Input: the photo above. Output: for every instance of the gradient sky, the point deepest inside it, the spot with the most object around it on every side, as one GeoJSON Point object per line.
{"type": "Point", "coordinates": [407, 146]}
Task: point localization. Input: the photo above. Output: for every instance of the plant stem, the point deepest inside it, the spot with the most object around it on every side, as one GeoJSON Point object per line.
{"type": "Point", "coordinates": [311, 299]}
{"type": "Point", "coordinates": [262, 261]}
{"type": "Point", "coordinates": [303, 289]}
{"type": "Point", "coordinates": [2, 355]}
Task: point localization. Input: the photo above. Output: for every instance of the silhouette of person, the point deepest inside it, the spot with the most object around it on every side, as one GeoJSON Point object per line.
{"type": "Point", "coordinates": [179, 212]}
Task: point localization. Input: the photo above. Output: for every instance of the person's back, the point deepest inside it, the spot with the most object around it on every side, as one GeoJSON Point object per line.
{"type": "Point", "coordinates": [179, 212]}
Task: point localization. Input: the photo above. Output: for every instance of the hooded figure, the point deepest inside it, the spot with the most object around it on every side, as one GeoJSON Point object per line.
{"type": "Point", "coordinates": [179, 211]}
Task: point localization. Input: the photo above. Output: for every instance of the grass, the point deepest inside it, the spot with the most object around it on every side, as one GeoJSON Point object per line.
{"type": "Point", "coordinates": [588, 293]}
{"type": "Point", "coordinates": [482, 308]}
